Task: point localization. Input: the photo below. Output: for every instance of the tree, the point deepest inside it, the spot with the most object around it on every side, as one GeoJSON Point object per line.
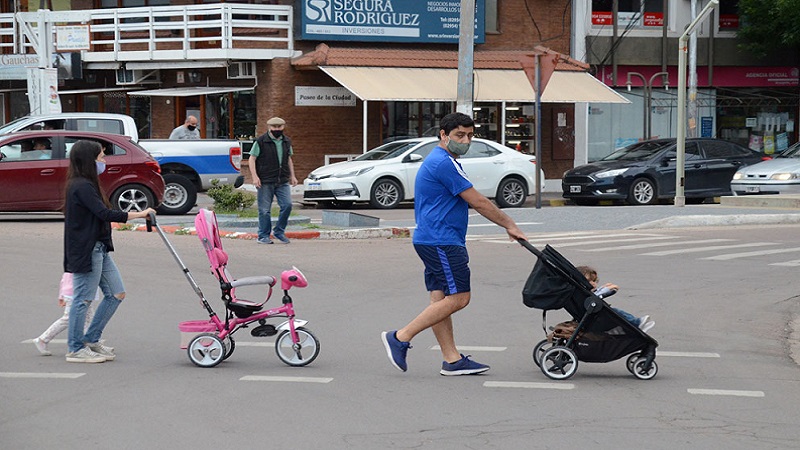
{"type": "Point", "coordinates": [767, 26]}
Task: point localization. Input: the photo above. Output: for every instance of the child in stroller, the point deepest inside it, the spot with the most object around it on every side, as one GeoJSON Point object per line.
{"type": "Point", "coordinates": [607, 290]}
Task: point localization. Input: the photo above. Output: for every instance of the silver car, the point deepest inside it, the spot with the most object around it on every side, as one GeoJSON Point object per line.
{"type": "Point", "coordinates": [780, 175]}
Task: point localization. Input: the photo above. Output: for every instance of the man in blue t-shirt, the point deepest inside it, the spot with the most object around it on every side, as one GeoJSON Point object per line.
{"type": "Point", "coordinates": [442, 197]}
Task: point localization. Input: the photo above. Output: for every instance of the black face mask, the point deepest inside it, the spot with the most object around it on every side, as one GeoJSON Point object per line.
{"type": "Point", "coordinates": [191, 127]}
{"type": "Point", "coordinates": [277, 133]}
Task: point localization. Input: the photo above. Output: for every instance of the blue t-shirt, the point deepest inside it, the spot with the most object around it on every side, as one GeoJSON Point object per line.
{"type": "Point", "coordinates": [440, 212]}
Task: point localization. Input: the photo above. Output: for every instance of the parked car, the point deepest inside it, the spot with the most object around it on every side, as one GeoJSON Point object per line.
{"type": "Point", "coordinates": [644, 172]}
{"type": "Point", "coordinates": [32, 178]}
{"type": "Point", "coordinates": [385, 176]}
{"type": "Point", "coordinates": [780, 175]}
{"type": "Point", "coordinates": [188, 166]}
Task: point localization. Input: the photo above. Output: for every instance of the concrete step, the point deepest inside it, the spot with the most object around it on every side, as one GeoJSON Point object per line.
{"type": "Point", "coordinates": [788, 201]}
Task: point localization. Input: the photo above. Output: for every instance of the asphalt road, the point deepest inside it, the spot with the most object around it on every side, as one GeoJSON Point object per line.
{"type": "Point", "coordinates": [726, 379]}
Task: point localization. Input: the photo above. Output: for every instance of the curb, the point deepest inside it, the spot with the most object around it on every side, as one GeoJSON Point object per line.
{"type": "Point", "coordinates": [358, 233]}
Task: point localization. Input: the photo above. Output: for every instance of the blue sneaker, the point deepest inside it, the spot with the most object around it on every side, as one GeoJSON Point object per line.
{"type": "Point", "coordinates": [264, 241]}
{"type": "Point", "coordinates": [282, 238]}
{"type": "Point", "coordinates": [463, 366]}
{"type": "Point", "coordinates": [395, 349]}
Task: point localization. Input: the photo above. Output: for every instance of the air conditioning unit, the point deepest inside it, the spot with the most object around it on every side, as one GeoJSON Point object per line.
{"type": "Point", "coordinates": [136, 76]}
{"type": "Point", "coordinates": [238, 70]}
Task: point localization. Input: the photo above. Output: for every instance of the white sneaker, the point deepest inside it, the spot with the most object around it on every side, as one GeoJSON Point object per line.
{"type": "Point", "coordinates": [85, 355]}
{"type": "Point", "coordinates": [643, 320]}
{"type": "Point", "coordinates": [646, 327]}
{"type": "Point", "coordinates": [102, 350]}
{"type": "Point", "coordinates": [42, 347]}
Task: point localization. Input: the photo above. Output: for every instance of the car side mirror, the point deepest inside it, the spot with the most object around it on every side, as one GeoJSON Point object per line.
{"type": "Point", "coordinates": [414, 157]}
{"type": "Point", "coordinates": [665, 161]}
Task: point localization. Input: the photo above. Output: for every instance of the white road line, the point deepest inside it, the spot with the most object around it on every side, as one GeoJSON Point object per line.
{"type": "Point", "coordinates": [286, 379]}
{"type": "Point", "coordinates": [254, 344]}
{"type": "Point", "coordinates": [475, 349]}
{"type": "Point", "coordinates": [607, 241]}
{"type": "Point", "coordinates": [528, 385]}
{"type": "Point", "coordinates": [707, 249]}
{"type": "Point", "coordinates": [726, 392]}
{"type": "Point", "coordinates": [793, 263]}
{"type": "Point", "coordinates": [688, 354]}
{"type": "Point", "coordinates": [61, 375]}
{"type": "Point", "coordinates": [494, 225]}
{"type": "Point", "coordinates": [594, 236]}
{"type": "Point", "coordinates": [730, 256]}
{"type": "Point", "coordinates": [656, 244]}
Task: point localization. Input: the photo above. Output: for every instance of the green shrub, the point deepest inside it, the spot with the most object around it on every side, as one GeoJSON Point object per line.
{"type": "Point", "coordinates": [227, 199]}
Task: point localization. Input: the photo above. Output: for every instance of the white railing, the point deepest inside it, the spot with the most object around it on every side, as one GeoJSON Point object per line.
{"type": "Point", "coordinates": [172, 32]}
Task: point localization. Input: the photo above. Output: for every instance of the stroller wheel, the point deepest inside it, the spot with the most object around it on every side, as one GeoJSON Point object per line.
{"type": "Point", "coordinates": [206, 350]}
{"type": "Point", "coordinates": [559, 363]}
{"type": "Point", "coordinates": [539, 350]}
{"type": "Point", "coordinates": [641, 373]}
{"type": "Point", "coordinates": [230, 345]}
{"type": "Point", "coordinates": [300, 354]}
{"type": "Point", "coordinates": [631, 361]}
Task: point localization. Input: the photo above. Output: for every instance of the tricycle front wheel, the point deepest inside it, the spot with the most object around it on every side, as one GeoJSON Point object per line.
{"type": "Point", "coordinates": [300, 354]}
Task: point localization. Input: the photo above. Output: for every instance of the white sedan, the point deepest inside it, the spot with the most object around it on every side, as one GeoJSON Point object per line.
{"type": "Point", "coordinates": [385, 176]}
{"type": "Point", "coordinates": [780, 175]}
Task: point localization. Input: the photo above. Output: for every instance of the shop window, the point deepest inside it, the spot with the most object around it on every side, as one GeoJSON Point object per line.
{"type": "Point", "coordinates": [490, 21]}
{"type": "Point", "coordinates": [631, 13]}
{"type": "Point", "coordinates": [728, 15]}
{"type": "Point", "coordinates": [244, 115]}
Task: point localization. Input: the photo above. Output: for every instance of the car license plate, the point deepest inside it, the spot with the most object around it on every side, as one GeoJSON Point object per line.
{"type": "Point", "coordinates": [575, 189]}
{"type": "Point", "coordinates": [313, 186]}
{"type": "Point", "coordinates": [752, 189]}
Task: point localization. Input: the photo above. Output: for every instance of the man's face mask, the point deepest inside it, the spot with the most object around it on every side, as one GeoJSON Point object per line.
{"type": "Point", "coordinates": [457, 148]}
{"type": "Point", "coordinates": [191, 127]}
{"type": "Point", "coordinates": [277, 133]}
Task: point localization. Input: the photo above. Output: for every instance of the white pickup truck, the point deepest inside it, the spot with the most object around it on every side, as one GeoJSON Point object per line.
{"type": "Point", "coordinates": [187, 166]}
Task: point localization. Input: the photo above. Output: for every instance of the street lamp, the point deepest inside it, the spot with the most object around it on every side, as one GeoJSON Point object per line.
{"type": "Point", "coordinates": [680, 169]}
{"type": "Point", "coordinates": [647, 85]}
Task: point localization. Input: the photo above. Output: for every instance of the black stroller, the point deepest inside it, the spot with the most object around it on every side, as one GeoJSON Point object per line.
{"type": "Point", "coordinates": [597, 334]}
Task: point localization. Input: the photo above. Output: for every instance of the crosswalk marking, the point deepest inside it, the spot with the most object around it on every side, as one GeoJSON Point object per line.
{"type": "Point", "coordinates": [792, 263]}
{"type": "Point", "coordinates": [286, 379]}
{"type": "Point", "coordinates": [707, 249]}
{"type": "Point", "coordinates": [730, 256]}
{"type": "Point", "coordinates": [726, 392]}
{"type": "Point", "coordinates": [467, 348]}
{"type": "Point", "coordinates": [688, 354]}
{"type": "Point", "coordinates": [655, 244]}
{"type": "Point", "coordinates": [606, 241]}
{"type": "Point", "coordinates": [528, 385]}
{"type": "Point", "coordinates": [61, 375]}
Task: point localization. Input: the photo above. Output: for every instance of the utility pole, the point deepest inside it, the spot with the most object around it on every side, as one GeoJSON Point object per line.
{"type": "Point", "coordinates": [466, 44]}
{"type": "Point", "coordinates": [691, 110]}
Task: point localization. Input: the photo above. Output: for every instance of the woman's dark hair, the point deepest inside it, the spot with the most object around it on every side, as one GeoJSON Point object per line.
{"type": "Point", "coordinates": [453, 120]}
{"type": "Point", "coordinates": [82, 157]}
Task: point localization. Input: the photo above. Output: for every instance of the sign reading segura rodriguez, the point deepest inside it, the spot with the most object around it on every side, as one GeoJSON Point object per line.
{"type": "Point", "coordinates": [387, 20]}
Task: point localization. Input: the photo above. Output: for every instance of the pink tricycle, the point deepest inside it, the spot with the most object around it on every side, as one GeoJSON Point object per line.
{"type": "Point", "coordinates": [212, 340]}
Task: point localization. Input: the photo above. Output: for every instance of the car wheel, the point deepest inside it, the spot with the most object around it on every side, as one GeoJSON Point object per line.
{"type": "Point", "coordinates": [643, 192]}
{"type": "Point", "coordinates": [132, 197]}
{"type": "Point", "coordinates": [180, 195]}
{"type": "Point", "coordinates": [386, 194]}
{"type": "Point", "coordinates": [511, 193]}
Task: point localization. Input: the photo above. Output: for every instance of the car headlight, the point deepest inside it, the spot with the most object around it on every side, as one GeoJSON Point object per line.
{"type": "Point", "coordinates": [738, 176]}
{"type": "Point", "coordinates": [784, 176]}
{"type": "Point", "coordinates": [610, 173]}
{"type": "Point", "coordinates": [352, 173]}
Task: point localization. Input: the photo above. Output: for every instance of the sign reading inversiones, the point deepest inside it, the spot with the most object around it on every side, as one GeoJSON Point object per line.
{"type": "Point", "coordinates": [387, 20]}
{"type": "Point", "coordinates": [323, 96]}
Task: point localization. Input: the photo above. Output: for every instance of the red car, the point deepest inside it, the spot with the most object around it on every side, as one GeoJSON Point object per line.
{"type": "Point", "coordinates": [33, 171]}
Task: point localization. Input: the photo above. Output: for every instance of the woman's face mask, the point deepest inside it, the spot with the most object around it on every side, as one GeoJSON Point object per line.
{"type": "Point", "coordinates": [101, 166]}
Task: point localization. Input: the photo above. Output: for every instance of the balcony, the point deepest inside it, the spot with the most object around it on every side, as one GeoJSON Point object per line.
{"type": "Point", "coordinates": [202, 33]}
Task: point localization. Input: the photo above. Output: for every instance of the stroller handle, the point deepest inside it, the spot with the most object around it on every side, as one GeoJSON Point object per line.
{"type": "Point", "coordinates": [530, 247]}
{"type": "Point", "coordinates": [150, 220]}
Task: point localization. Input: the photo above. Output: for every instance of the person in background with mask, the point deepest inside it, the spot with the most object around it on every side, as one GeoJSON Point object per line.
{"type": "Point", "coordinates": [186, 131]}
{"type": "Point", "coordinates": [442, 198]}
{"type": "Point", "coordinates": [272, 171]}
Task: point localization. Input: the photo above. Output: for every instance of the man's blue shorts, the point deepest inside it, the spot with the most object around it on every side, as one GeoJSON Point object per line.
{"type": "Point", "coordinates": [446, 267]}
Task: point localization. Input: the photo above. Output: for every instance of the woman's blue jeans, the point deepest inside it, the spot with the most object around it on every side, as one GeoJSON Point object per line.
{"type": "Point", "coordinates": [283, 193]}
{"type": "Point", "coordinates": [104, 275]}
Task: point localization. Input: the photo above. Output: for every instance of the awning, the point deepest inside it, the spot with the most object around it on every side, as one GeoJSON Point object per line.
{"type": "Point", "coordinates": [93, 90]}
{"type": "Point", "coordinates": [432, 85]}
{"type": "Point", "coordinates": [578, 87]}
{"type": "Point", "coordinates": [190, 91]}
